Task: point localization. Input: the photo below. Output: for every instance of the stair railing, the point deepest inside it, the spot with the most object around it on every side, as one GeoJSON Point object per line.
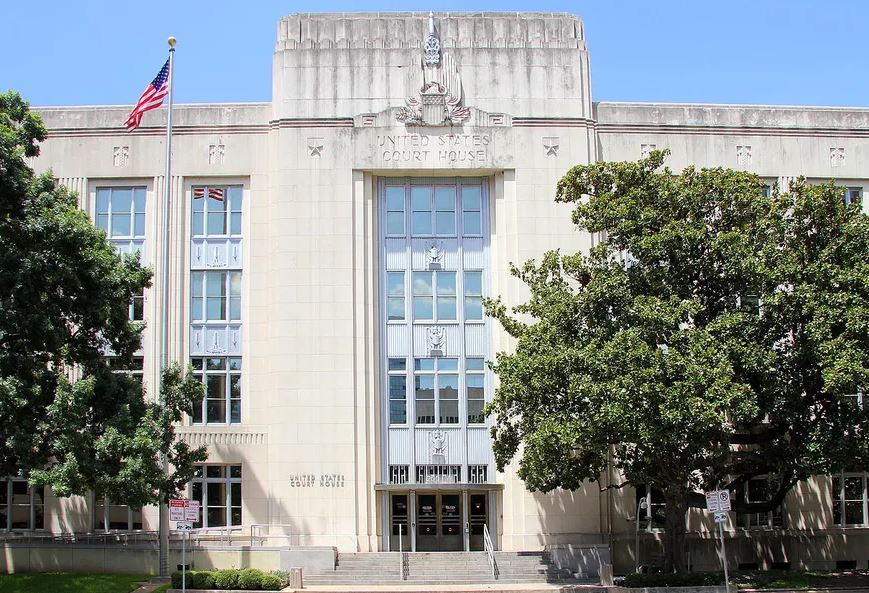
{"type": "Point", "coordinates": [490, 551]}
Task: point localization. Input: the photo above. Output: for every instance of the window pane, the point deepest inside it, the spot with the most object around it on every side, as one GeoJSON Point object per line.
{"type": "Point", "coordinates": [395, 199]}
{"type": "Point", "coordinates": [395, 308]}
{"type": "Point", "coordinates": [216, 515]}
{"type": "Point", "coordinates": [422, 284]}
{"type": "Point", "coordinates": [235, 471]}
{"type": "Point", "coordinates": [448, 386]}
{"type": "Point", "coordinates": [473, 308]}
{"type": "Point", "coordinates": [854, 513]}
{"type": "Point", "coordinates": [215, 364]}
{"type": "Point", "coordinates": [425, 412]}
{"type": "Point", "coordinates": [446, 282]}
{"type": "Point", "coordinates": [473, 283]}
{"type": "Point", "coordinates": [139, 200]}
{"type": "Point", "coordinates": [423, 364]}
{"type": "Point", "coordinates": [235, 411]}
{"type": "Point", "coordinates": [214, 284]}
{"type": "Point", "coordinates": [235, 197]}
{"type": "Point", "coordinates": [198, 202]}
{"type": "Point", "coordinates": [474, 364]}
{"type": "Point", "coordinates": [235, 223]}
{"type": "Point", "coordinates": [103, 222]}
{"type": "Point", "coordinates": [397, 386]}
{"type": "Point", "coordinates": [121, 224]}
{"type": "Point", "coordinates": [448, 364]}
{"type": "Point", "coordinates": [139, 225]}
{"type": "Point", "coordinates": [446, 223]}
{"type": "Point", "coordinates": [235, 386]}
{"type": "Point", "coordinates": [395, 223]}
{"type": "Point", "coordinates": [197, 223]}
{"type": "Point", "coordinates": [471, 198]}
{"type": "Point", "coordinates": [853, 488]}
{"type": "Point", "coordinates": [445, 199]}
{"type": "Point", "coordinates": [122, 201]}
{"type": "Point", "coordinates": [235, 494]}
{"type": "Point", "coordinates": [446, 308]}
{"type": "Point", "coordinates": [421, 223]}
{"type": "Point", "coordinates": [472, 223]}
{"type": "Point", "coordinates": [216, 223]}
{"type": "Point", "coordinates": [420, 198]}
{"type": "Point", "coordinates": [397, 411]}
{"type": "Point", "coordinates": [214, 471]}
{"type": "Point", "coordinates": [395, 283]}
{"type": "Point", "coordinates": [397, 364]}
{"type": "Point", "coordinates": [475, 411]}
{"type": "Point", "coordinates": [449, 411]}
{"type": "Point", "coordinates": [235, 284]}
{"type": "Point", "coordinates": [103, 200]}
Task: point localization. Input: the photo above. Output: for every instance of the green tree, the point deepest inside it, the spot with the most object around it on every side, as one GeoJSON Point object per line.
{"type": "Point", "coordinates": [712, 336]}
{"type": "Point", "coordinates": [64, 298]}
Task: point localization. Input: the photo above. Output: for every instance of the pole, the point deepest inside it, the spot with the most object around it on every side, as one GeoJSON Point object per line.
{"type": "Point", "coordinates": [400, 554]}
{"type": "Point", "coordinates": [183, 562]}
{"type": "Point", "coordinates": [164, 281]}
{"type": "Point", "coordinates": [723, 557]}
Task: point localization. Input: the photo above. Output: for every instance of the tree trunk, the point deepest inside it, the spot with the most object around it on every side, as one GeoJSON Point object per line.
{"type": "Point", "coordinates": [676, 504]}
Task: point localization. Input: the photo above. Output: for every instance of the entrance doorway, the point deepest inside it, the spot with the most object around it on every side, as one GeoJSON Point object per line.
{"type": "Point", "coordinates": [439, 522]}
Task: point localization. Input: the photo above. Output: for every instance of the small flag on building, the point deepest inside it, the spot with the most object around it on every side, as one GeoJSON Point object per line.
{"type": "Point", "coordinates": [215, 193]}
{"type": "Point", "coordinates": [151, 98]}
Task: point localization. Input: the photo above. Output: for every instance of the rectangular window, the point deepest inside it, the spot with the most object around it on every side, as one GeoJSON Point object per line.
{"type": "Point", "coordinates": [118, 517]}
{"type": "Point", "coordinates": [395, 296]}
{"type": "Point", "coordinates": [434, 293]}
{"type": "Point", "coordinates": [475, 392]}
{"type": "Point", "coordinates": [650, 501]}
{"type": "Point", "coordinates": [136, 367]}
{"type": "Point", "coordinates": [120, 212]}
{"type": "Point", "coordinates": [445, 211]}
{"type": "Point", "coordinates": [398, 474]}
{"type": "Point", "coordinates": [473, 296]}
{"type": "Point", "coordinates": [21, 507]}
{"type": "Point", "coordinates": [436, 390]}
{"type": "Point", "coordinates": [420, 205]}
{"type": "Point", "coordinates": [216, 211]}
{"type": "Point", "coordinates": [395, 210]}
{"type": "Point", "coordinates": [472, 215]}
{"type": "Point", "coordinates": [849, 499]}
{"type": "Point", "coordinates": [222, 379]}
{"type": "Point", "coordinates": [759, 489]}
{"type": "Point", "coordinates": [397, 377]}
{"type": "Point", "coordinates": [854, 195]}
{"type": "Point", "coordinates": [215, 296]}
{"type": "Point", "coordinates": [478, 474]}
{"type": "Point", "coordinates": [438, 474]}
{"type": "Point", "coordinates": [218, 490]}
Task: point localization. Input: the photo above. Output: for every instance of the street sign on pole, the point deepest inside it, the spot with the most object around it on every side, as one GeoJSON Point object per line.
{"type": "Point", "coordinates": [184, 526]}
{"type": "Point", "coordinates": [723, 500]}
{"type": "Point", "coordinates": [718, 500]}
{"type": "Point", "coordinates": [720, 516]}
{"type": "Point", "coordinates": [191, 513]}
{"type": "Point", "coordinates": [177, 508]}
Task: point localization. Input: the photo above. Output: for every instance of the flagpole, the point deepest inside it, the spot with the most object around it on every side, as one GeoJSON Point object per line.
{"type": "Point", "coordinates": [164, 347]}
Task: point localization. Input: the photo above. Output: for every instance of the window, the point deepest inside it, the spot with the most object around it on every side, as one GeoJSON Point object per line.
{"type": "Point", "coordinates": [135, 368]}
{"type": "Point", "coordinates": [395, 210]}
{"type": "Point", "coordinates": [120, 211]}
{"type": "Point", "coordinates": [434, 296]}
{"type": "Point", "coordinates": [854, 195]}
{"type": "Point", "coordinates": [445, 210]}
{"type": "Point", "coordinates": [436, 390]}
{"type": "Point", "coordinates": [849, 499]}
{"type": "Point", "coordinates": [420, 204]}
{"type": "Point", "coordinates": [472, 219]}
{"type": "Point", "coordinates": [473, 296]}
{"type": "Point", "coordinates": [478, 474]}
{"type": "Point", "coordinates": [222, 378]}
{"type": "Point", "coordinates": [216, 210]}
{"type": "Point", "coordinates": [475, 380]}
{"type": "Point", "coordinates": [653, 510]}
{"type": "Point", "coordinates": [215, 296]}
{"type": "Point", "coordinates": [117, 516]}
{"type": "Point", "coordinates": [766, 190]}
{"type": "Point", "coordinates": [397, 377]}
{"type": "Point", "coordinates": [398, 474]}
{"type": "Point", "coordinates": [21, 507]}
{"type": "Point", "coordinates": [759, 489]}
{"type": "Point", "coordinates": [218, 490]}
{"type": "Point", "coordinates": [395, 296]}
{"type": "Point", "coordinates": [438, 474]}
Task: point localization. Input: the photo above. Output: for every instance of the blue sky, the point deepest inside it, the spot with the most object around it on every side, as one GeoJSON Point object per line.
{"type": "Point", "coordinates": [803, 52]}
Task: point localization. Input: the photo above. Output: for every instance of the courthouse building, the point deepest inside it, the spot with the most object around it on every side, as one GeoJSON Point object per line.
{"type": "Point", "coordinates": [328, 254]}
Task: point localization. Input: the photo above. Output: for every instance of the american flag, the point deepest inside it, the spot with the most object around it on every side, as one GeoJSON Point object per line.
{"type": "Point", "coordinates": [151, 98]}
{"type": "Point", "coordinates": [215, 193]}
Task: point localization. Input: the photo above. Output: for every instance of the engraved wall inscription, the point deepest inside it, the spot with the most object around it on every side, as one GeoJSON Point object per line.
{"type": "Point", "coordinates": [423, 148]}
{"type": "Point", "coordinates": [321, 480]}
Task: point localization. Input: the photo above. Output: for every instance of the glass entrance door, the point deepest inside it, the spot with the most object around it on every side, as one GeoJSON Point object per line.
{"type": "Point", "coordinates": [400, 537]}
{"type": "Point", "coordinates": [439, 522]}
{"type": "Point", "coordinates": [477, 517]}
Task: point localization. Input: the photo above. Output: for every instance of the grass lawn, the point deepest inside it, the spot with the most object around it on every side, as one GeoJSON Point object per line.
{"type": "Point", "coordinates": [70, 583]}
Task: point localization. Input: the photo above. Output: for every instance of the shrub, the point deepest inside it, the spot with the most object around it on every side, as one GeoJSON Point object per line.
{"type": "Point", "coordinates": [226, 579]}
{"type": "Point", "coordinates": [270, 582]}
{"type": "Point", "coordinates": [691, 579]}
{"type": "Point", "coordinates": [200, 579]}
{"type": "Point", "coordinates": [249, 579]}
{"type": "Point", "coordinates": [284, 575]}
{"type": "Point", "coordinates": [176, 580]}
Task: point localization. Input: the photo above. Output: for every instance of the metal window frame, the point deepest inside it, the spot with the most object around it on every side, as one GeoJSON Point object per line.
{"type": "Point", "coordinates": [227, 211]}
{"type": "Point", "coordinates": [202, 374]}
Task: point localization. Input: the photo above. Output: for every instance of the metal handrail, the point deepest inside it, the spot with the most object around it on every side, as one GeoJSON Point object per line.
{"type": "Point", "coordinates": [490, 551]}
{"type": "Point", "coordinates": [256, 532]}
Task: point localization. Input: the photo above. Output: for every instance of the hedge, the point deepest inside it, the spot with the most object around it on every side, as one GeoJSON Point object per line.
{"type": "Point", "coordinates": [691, 579]}
{"type": "Point", "coordinates": [249, 579]}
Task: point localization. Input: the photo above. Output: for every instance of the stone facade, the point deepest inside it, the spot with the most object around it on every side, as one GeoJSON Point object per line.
{"type": "Point", "coordinates": [362, 101]}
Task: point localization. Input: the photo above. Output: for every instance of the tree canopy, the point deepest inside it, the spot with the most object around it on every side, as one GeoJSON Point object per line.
{"type": "Point", "coordinates": [712, 335]}
{"type": "Point", "coordinates": [66, 419]}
